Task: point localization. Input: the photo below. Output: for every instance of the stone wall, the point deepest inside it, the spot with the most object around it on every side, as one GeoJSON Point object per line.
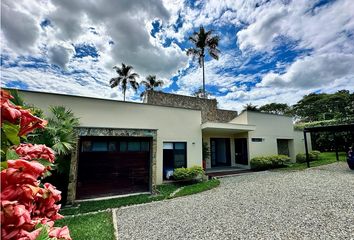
{"type": "Point", "coordinates": [85, 131]}
{"type": "Point", "coordinates": [208, 107]}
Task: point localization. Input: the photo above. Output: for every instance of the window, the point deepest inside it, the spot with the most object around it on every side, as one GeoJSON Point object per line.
{"type": "Point", "coordinates": [174, 155]}
{"type": "Point", "coordinates": [257, 139]}
{"type": "Point", "coordinates": [115, 146]}
{"type": "Point", "coordinates": [99, 147]}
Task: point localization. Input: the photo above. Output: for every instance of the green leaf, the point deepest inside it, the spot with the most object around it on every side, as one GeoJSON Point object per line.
{"type": "Point", "coordinates": [3, 165]}
{"type": "Point", "coordinates": [45, 162]}
{"type": "Point", "coordinates": [11, 131]}
{"type": "Point", "coordinates": [43, 235]}
{"type": "Point", "coordinates": [11, 155]}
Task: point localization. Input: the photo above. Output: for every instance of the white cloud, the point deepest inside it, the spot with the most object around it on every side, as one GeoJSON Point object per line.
{"type": "Point", "coordinates": [20, 30]}
{"type": "Point", "coordinates": [313, 71]}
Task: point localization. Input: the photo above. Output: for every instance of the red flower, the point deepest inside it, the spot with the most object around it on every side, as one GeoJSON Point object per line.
{"type": "Point", "coordinates": [29, 122]}
{"type": "Point", "coordinates": [22, 171]}
{"type": "Point", "coordinates": [14, 218]}
{"type": "Point", "coordinates": [60, 233]}
{"type": "Point", "coordinates": [31, 152]}
{"type": "Point", "coordinates": [5, 95]}
{"type": "Point", "coordinates": [9, 112]}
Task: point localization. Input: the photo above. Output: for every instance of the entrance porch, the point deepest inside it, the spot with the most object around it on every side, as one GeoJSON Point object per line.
{"type": "Point", "coordinates": [228, 146]}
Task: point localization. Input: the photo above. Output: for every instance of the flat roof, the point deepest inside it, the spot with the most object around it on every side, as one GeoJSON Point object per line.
{"type": "Point", "coordinates": [213, 127]}
{"type": "Point", "coordinates": [97, 98]}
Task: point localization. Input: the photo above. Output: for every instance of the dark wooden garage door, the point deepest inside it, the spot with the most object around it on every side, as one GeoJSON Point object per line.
{"type": "Point", "coordinates": [112, 166]}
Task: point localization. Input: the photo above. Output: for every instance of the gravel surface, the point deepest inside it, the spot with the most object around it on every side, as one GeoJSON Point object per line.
{"type": "Point", "coordinates": [312, 204]}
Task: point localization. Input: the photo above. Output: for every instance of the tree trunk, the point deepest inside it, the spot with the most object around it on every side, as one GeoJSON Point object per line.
{"type": "Point", "coordinates": [124, 95]}
{"type": "Point", "coordinates": [204, 95]}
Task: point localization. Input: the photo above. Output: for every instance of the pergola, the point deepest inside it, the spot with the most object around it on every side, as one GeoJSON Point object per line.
{"type": "Point", "coordinates": [332, 129]}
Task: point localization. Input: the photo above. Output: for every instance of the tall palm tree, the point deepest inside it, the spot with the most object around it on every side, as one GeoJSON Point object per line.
{"type": "Point", "coordinates": [151, 83]}
{"type": "Point", "coordinates": [125, 76]}
{"type": "Point", "coordinates": [204, 41]}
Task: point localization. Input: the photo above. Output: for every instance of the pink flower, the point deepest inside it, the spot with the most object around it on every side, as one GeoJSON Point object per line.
{"type": "Point", "coordinates": [29, 122]}
{"type": "Point", "coordinates": [31, 152]}
{"type": "Point", "coordinates": [22, 171]}
{"type": "Point", "coordinates": [60, 233]}
{"type": "Point", "coordinates": [9, 112]}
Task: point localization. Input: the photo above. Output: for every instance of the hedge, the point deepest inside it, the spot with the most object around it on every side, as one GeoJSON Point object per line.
{"type": "Point", "coordinates": [269, 162]}
{"type": "Point", "coordinates": [313, 156]}
{"type": "Point", "coordinates": [187, 174]}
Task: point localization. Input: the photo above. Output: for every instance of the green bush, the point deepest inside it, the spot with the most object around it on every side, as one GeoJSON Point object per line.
{"type": "Point", "coordinates": [187, 174]}
{"type": "Point", "coordinates": [268, 162]}
{"type": "Point", "coordinates": [313, 156]}
{"type": "Point", "coordinates": [301, 158]}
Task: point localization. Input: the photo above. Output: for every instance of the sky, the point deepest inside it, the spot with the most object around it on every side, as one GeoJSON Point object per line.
{"type": "Point", "coordinates": [271, 50]}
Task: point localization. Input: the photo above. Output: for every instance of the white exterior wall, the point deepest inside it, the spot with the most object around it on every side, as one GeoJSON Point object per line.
{"type": "Point", "coordinates": [271, 127]}
{"type": "Point", "coordinates": [172, 124]}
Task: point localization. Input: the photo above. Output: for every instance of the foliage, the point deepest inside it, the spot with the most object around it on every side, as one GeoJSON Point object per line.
{"type": "Point", "coordinates": [187, 174]}
{"type": "Point", "coordinates": [97, 226]}
{"type": "Point", "coordinates": [324, 158]}
{"type": "Point", "coordinates": [250, 107]}
{"type": "Point", "coordinates": [206, 151]}
{"type": "Point", "coordinates": [204, 41]}
{"type": "Point", "coordinates": [198, 187]}
{"type": "Point", "coordinates": [125, 77]}
{"type": "Point", "coordinates": [313, 156]}
{"type": "Point", "coordinates": [150, 84]}
{"type": "Point", "coordinates": [28, 207]}
{"type": "Point", "coordinates": [323, 106]}
{"type": "Point", "coordinates": [269, 162]}
{"type": "Point", "coordinates": [276, 108]}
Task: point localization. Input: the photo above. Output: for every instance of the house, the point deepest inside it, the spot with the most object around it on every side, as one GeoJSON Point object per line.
{"type": "Point", "coordinates": [127, 147]}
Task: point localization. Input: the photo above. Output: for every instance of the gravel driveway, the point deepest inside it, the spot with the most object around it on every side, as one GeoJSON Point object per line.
{"type": "Point", "coordinates": [311, 204]}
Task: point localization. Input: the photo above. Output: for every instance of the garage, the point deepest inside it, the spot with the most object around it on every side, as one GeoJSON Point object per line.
{"type": "Point", "coordinates": [113, 166]}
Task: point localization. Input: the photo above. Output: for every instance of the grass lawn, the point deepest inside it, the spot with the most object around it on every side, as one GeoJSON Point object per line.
{"type": "Point", "coordinates": [165, 190]}
{"type": "Point", "coordinates": [325, 158]}
{"type": "Point", "coordinates": [198, 187]}
{"type": "Point", "coordinates": [89, 227]}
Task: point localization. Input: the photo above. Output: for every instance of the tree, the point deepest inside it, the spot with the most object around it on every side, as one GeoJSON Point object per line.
{"type": "Point", "coordinates": [323, 106]}
{"type": "Point", "coordinates": [276, 108]}
{"type": "Point", "coordinates": [204, 41]}
{"type": "Point", "coordinates": [250, 107]}
{"type": "Point", "coordinates": [151, 83]}
{"type": "Point", "coordinates": [199, 93]}
{"type": "Point", "coordinates": [125, 77]}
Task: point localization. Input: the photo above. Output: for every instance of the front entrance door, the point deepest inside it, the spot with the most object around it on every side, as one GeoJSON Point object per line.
{"type": "Point", "coordinates": [220, 152]}
{"type": "Point", "coordinates": [241, 154]}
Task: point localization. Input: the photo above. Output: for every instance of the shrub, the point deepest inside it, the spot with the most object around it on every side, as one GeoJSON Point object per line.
{"type": "Point", "coordinates": [301, 158]}
{"type": "Point", "coordinates": [188, 174]}
{"type": "Point", "coordinates": [28, 207]}
{"type": "Point", "coordinates": [268, 162]}
{"type": "Point", "coordinates": [313, 156]}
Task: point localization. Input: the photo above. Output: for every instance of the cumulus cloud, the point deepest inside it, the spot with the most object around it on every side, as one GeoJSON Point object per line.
{"type": "Point", "coordinates": [60, 55]}
{"type": "Point", "coordinates": [19, 28]}
{"type": "Point", "coordinates": [313, 71]}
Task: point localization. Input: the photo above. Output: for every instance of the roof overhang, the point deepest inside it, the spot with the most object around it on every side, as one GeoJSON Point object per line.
{"type": "Point", "coordinates": [212, 127]}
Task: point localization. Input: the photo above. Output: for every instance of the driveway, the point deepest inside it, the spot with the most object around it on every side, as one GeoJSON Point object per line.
{"type": "Point", "coordinates": [312, 204]}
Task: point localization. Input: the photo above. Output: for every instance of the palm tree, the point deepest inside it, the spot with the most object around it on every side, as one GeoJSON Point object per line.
{"type": "Point", "coordinates": [200, 94]}
{"type": "Point", "coordinates": [125, 77]}
{"type": "Point", "coordinates": [250, 107]}
{"type": "Point", "coordinates": [150, 84]}
{"type": "Point", "coordinates": [204, 41]}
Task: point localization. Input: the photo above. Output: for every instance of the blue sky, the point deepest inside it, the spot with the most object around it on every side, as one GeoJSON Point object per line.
{"type": "Point", "coordinates": [271, 50]}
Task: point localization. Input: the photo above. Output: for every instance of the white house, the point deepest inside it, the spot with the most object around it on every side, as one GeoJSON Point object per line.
{"type": "Point", "coordinates": [126, 147]}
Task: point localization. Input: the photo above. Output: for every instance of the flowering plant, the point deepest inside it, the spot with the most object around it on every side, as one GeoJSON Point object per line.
{"type": "Point", "coordinates": [28, 207]}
